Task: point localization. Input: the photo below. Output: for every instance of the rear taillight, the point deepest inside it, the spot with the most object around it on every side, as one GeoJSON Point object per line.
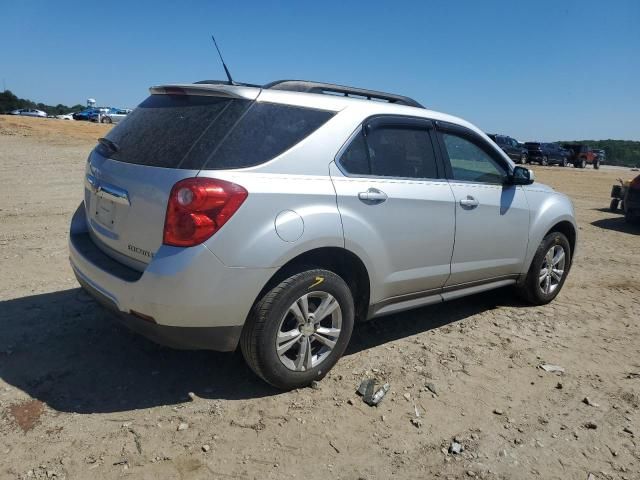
{"type": "Point", "coordinates": [198, 208]}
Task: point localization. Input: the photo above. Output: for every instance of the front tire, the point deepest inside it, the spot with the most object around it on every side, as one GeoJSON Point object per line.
{"type": "Point", "coordinates": [545, 161]}
{"type": "Point", "coordinates": [523, 159]}
{"type": "Point", "coordinates": [564, 162]}
{"type": "Point", "coordinates": [613, 206]}
{"type": "Point", "coordinates": [548, 270]}
{"type": "Point", "coordinates": [596, 164]}
{"type": "Point", "coordinates": [297, 331]}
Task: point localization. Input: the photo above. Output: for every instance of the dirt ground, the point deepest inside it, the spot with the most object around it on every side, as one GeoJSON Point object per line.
{"type": "Point", "coordinates": [81, 397]}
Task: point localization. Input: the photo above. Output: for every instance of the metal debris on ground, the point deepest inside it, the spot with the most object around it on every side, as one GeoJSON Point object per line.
{"type": "Point", "coordinates": [366, 388]}
{"type": "Point", "coordinates": [366, 391]}
{"type": "Point", "coordinates": [552, 368]}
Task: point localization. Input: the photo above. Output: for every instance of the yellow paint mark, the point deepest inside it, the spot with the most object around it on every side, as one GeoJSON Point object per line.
{"type": "Point", "coordinates": [318, 281]}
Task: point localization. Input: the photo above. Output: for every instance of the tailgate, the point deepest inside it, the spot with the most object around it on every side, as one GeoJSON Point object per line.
{"type": "Point", "coordinates": [129, 175]}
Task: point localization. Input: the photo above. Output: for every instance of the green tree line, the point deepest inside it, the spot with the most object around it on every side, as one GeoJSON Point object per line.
{"type": "Point", "coordinates": [619, 152]}
{"type": "Point", "coordinates": [10, 102]}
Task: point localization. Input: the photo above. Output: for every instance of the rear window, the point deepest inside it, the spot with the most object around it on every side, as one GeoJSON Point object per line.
{"type": "Point", "coordinates": [196, 132]}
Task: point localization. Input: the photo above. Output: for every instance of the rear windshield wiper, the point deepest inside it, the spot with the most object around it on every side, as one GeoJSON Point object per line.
{"type": "Point", "coordinates": [112, 147]}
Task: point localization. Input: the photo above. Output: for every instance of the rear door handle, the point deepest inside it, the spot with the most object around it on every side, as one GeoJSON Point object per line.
{"type": "Point", "coordinates": [469, 202]}
{"type": "Point", "coordinates": [372, 196]}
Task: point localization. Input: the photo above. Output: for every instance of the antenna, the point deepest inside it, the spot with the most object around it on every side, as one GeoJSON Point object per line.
{"type": "Point", "coordinates": [226, 70]}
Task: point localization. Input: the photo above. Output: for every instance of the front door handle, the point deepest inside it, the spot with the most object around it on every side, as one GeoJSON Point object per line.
{"type": "Point", "coordinates": [469, 202]}
{"type": "Point", "coordinates": [372, 196]}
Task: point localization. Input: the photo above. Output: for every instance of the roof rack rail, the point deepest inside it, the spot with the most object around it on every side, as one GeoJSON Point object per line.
{"type": "Point", "coordinates": [331, 89]}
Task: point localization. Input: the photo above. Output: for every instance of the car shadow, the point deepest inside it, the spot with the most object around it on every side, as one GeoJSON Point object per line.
{"type": "Point", "coordinates": [63, 349]}
{"type": "Point", "coordinates": [617, 224]}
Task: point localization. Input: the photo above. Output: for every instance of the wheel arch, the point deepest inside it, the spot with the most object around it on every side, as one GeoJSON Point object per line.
{"type": "Point", "coordinates": [568, 230]}
{"type": "Point", "coordinates": [339, 260]}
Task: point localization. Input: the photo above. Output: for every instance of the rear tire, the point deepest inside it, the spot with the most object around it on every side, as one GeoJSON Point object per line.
{"type": "Point", "coordinates": [545, 161]}
{"type": "Point", "coordinates": [548, 271]}
{"type": "Point", "coordinates": [596, 164]}
{"type": "Point", "coordinates": [523, 159]}
{"type": "Point", "coordinates": [564, 162]}
{"type": "Point", "coordinates": [289, 348]}
{"type": "Point", "coordinates": [583, 163]}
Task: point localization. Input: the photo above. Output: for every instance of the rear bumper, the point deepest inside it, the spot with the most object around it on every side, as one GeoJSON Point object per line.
{"type": "Point", "coordinates": [223, 339]}
{"type": "Point", "coordinates": [194, 300]}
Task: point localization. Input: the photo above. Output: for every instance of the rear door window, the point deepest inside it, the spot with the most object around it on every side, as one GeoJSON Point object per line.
{"type": "Point", "coordinates": [401, 152]}
{"type": "Point", "coordinates": [195, 132]}
{"type": "Point", "coordinates": [391, 151]}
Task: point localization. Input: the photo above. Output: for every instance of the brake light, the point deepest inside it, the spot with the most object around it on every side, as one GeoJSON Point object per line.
{"type": "Point", "coordinates": [198, 208]}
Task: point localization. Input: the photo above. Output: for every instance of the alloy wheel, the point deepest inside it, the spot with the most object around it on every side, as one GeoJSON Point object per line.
{"type": "Point", "coordinates": [552, 269]}
{"type": "Point", "coordinates": [308, 331]}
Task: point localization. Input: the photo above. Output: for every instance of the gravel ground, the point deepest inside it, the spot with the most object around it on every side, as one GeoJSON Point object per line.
{"type": "Point", "coordinates": [83, 398]}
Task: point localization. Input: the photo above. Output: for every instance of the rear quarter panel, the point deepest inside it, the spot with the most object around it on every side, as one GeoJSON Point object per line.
{"type": "Point", "coordinates": [309, 220]}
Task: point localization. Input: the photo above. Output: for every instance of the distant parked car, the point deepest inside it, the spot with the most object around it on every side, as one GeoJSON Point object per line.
{"type": "Point", "coordinates": [29, 112]}
{"type": "Point", "coordinates": [112, 115]}
{"type": "Point", "coordinates": [87, 112]}
{"type": "Point", "coordinates": [602, 156]}
{"type": "Point", "coordinates": [516, 151]}
{"type": "Point", "coordinates": [582, 155]}
{"type": "Point", "coordinates": [66, 116]}
{"type": "Point", "coordinates": [547, 153]}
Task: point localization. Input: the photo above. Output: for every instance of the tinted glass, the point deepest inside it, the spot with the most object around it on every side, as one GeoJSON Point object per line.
{"type": "Point", "coordinates": [471, 163]}
{"type": "Point", "coordinates": [354, 159]}
{"type": "Point", "coordinates": [265, 132]}
{"type": "Point", "coordinates": [194, 132]}
{"type": "Point", "coordinates": [401, 152]}
{"type": "Point", "coordinates": [162, 130]}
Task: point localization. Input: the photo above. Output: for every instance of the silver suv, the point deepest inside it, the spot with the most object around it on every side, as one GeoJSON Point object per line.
{"type": "Point", "coordinates": [276, 216]}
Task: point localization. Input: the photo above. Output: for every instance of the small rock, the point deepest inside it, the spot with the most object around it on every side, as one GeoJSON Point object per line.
{"type": "Point", "coordinates": [416, 422]}
{"type": "Point", "coordinates": [590, 425]}
{"type": "Point", "coordinates": [552, 368]}
{"type": "Point", "coordinates": [627, 430]}
{"type": "Point", "coordinates": [351, 402]}
{"type": "Point", "coordinates": [183, 426]}
{"type": "Point", "coordinates": [559, 385]}
{"type": "Point", "coordinates": [206, 448]}
{"type": "Point", "coordinates": [456, 448]}
{"type": "Point", "coordinates": [471, 473]}
{"type": "Point", "coordinates": [431, 387]}
{"type": "Point", "coordinates": [497, 411]}
{"type": "Point", "coordinates": [315, 385]}
{"type": "Point", "coordinates": [587, 401]}
{"type": "Point", "coordinates": [407, 396]}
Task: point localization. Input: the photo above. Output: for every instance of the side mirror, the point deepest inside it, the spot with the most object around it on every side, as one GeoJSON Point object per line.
{"type": "Point", "coordinates": [521, 176]}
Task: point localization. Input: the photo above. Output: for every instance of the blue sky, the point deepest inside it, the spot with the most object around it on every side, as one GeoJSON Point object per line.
{"type": "Point", "coordinates": [543, 69]}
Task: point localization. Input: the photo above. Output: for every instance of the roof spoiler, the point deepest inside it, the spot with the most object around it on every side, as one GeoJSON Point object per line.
{"type": "Point", "coordinates": [207, 89]}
